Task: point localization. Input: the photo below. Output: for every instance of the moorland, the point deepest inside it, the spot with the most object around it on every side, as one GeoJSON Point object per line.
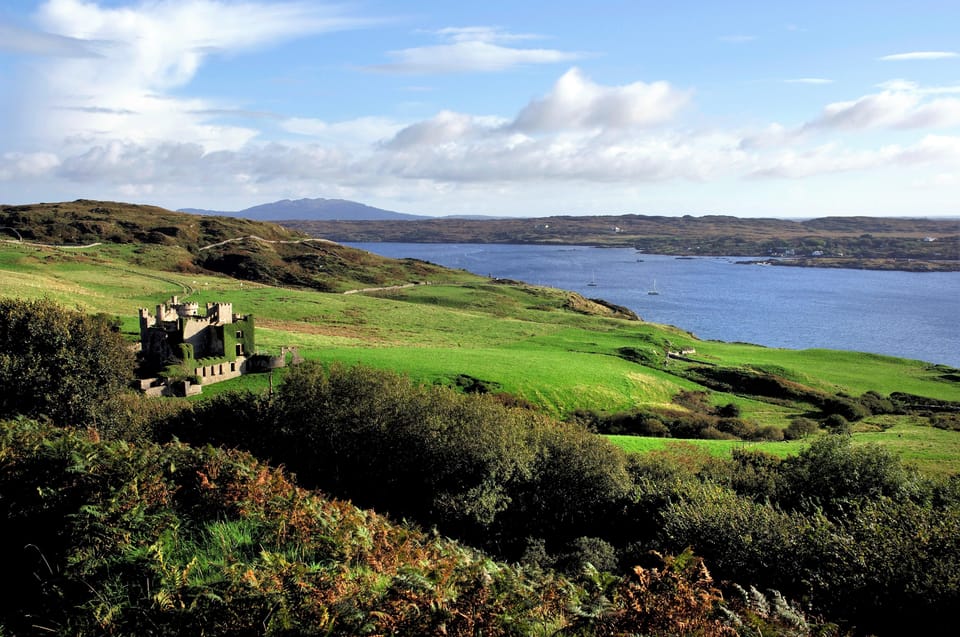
{"type": "Point", "coordinates": [846, 242]}
{"type": "Point", "coordinates": [595, 474]}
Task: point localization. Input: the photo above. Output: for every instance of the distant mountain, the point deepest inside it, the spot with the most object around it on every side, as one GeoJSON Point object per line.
{"type": "Point", "coordinates": [313, 210]}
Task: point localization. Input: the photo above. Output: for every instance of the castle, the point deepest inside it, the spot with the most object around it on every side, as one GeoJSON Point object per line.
{"type": "Point", "coordinates": [184, 347]}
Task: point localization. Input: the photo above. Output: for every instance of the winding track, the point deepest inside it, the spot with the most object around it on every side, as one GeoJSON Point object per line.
{"type": "Point", "coordinates": [262, 240]}
{"type": "Point", "coordinates": [189, 290]}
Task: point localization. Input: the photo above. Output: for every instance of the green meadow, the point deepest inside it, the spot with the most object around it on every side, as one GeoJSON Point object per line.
{"type": "Point", "coordinates": [538, 344]}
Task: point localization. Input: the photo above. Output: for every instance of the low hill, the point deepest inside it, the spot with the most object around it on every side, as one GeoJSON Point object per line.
{"type": "Point", "coordinates": [312, 209]}
{"type": "Point", "coordinates": [85, 221]}
{"type": "Point", "coordinates": [241, 248]}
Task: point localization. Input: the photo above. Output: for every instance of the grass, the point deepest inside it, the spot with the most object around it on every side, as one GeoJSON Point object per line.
{"type": "Point", "coordinates": [854, 372]}
{"type": "Point", "coordinates": [718, 448]}
{"type": "Point", "coordinates": [522, 338]}
{"type": "Point", "coordinates": [933, 451]}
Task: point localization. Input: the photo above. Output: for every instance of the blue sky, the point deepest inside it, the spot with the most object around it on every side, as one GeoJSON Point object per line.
{"type": "Point", "coordinates": [502, 108]}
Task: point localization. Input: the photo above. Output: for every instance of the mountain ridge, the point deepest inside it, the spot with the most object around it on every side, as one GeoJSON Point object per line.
{"type": "Point", "coordinates": [320, 209]}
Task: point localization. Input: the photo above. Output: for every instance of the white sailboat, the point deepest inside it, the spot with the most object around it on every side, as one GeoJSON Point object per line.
{"type": "Point", "coordinates": [653, 290]}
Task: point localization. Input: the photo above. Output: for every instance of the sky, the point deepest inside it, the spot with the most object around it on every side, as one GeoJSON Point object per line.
{"type": "Point", "coordinates": [519, 108]}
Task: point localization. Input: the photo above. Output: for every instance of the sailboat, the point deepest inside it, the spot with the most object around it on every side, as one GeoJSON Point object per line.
{"type": "Point", "coordinates": [654, 289]}
{"type": "Point", "coordinates": [593, 281]}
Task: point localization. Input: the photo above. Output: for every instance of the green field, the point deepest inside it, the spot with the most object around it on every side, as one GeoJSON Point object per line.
{"type": "Point", "coordinates": [933, 451]}
{"type": "Point", "coordinates": [638, 444]}
{"type": "Point", "coordinates": [524, 340]}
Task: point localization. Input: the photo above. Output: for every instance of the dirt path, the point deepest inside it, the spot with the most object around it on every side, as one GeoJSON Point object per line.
{"type": "Point", "coordinates": [262, 240]}
{"type": "Point", "coordinates": [52, 245]}
{"type": "Point", "coordinates": [387, 288]}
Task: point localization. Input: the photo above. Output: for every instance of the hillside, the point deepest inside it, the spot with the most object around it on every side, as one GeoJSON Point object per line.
{"type": "Point", "coordinates": [85, 221]}
{"type": "Point", "coordinates": [471, 406]}
{"type": "Point", "coordinates": [241, 248]}
{"type": "Point", "coordinates": [556, 350]}
{"type": "Point", "coordinates": [918, 244]}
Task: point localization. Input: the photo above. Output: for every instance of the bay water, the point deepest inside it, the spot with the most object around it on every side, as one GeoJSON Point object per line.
{"type": "Point", "coordinates": [907, 314]}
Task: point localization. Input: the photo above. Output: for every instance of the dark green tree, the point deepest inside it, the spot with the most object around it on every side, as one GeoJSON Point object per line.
{"type": "Point", "coordinates": [59, 363]}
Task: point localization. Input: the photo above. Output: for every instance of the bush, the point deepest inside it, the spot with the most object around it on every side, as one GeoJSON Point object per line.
{"type": "Point", "coordinates": [800, 427]}
{"type": "Point", "coordinates": [730, 410]}
{"type": "Point", "coordinates": [59, 363]}
{"type": "Point", "coordinates": [833, 474]}
{"type": "Point", "coordinates": [837, 425]}
{"type": "Point", "coordinates": [846, 407]}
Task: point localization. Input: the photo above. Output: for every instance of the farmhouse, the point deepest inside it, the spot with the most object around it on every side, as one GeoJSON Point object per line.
{"type": "Point", "coordinates": [183, 346]}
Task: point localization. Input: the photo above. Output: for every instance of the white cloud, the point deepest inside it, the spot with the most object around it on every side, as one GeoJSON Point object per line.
{"type": "Point", "coordinates": [483, 34]}
{"type": "Point", "coordinates": [920, 55]}
{"type": "Point", "coordinates": [832, 158]}
{"type": "Point", "coordinates": [901, 105]}
{"type": "Point", "coordinates": [913, 87]}
{"type": "Point", "coordinates": [444, 128]}
{"type": "Point", "coordinates": [145, 52]}
{"type": "Point", "coordinates": [578, 102]}
{"type": "Point", "coordinates": [361, 132]}
{"type": "Point", "coordinates": [471, 49]}
{"type": "Point", "coordinates": [881, 109]}
{"type": "Point", "coordinates": [772, 136]}
{"type": "Point", "coordinates": [32, 42]}
{"type": "Point", "coordinates": [16, 166]}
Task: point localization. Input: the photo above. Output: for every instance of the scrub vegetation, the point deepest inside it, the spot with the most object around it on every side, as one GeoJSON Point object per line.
{"type": "Point", "coordinates": [559, 466]}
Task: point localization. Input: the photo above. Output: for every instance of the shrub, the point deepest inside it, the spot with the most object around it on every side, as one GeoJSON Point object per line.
{"type": "Point", "coordinates": [877, 404]}
{"type": "Point", "coordinates": [832, 474]}
{"type": "Point", "coordinates": [837, 424]}
{"type": "Point", "coordinates": [730, 410]}
{"type": "Point", "coordinates": [59, 363]}
{"type": "Point", "coordinates": [846, 407]}
{"type": "Point", "coordinates": [800, 427]}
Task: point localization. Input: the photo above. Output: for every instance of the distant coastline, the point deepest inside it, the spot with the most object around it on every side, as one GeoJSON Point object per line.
{"type": "Point", "coordinates": [866, 243]}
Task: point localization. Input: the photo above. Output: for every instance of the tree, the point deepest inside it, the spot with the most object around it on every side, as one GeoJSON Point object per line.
{"type": "Point", "coordinates": [59, 363]}
{"type": "Point", "coordinates": [800, 427]}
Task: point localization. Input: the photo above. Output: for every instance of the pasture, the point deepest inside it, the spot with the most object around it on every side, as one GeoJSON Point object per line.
{"type": "Point", "coordinates": [521, 340]}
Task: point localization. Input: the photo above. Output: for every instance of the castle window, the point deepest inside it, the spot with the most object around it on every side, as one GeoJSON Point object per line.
{"type": "Point", "coordinates": [239, 349]}
{"type": "Point", "coordinates": [239, 333]}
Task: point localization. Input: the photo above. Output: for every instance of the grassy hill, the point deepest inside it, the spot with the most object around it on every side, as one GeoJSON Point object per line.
{"type": "Point", "coordinates": [177, 242]}
{"type": "Point", "coordinates": [552, 349]}
{"type": "Point", "coordinates": [139, 523]}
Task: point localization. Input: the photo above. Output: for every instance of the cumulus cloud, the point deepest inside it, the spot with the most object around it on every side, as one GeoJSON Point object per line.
{"type": "Point", "coordinates": [900, 105]}
{"type": "Point", "coordinates": [580, 130]}
{"type": "Point", "coordinates": [920, 55]}
{"type": "Point", "coordinates": [881, 109]}
{"type": "Point", "coordinates": [578, 102]}
{"type": "Point", "coordinates": [471, 49]}
{"type": "Point", "coordinates": [443, 128]}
